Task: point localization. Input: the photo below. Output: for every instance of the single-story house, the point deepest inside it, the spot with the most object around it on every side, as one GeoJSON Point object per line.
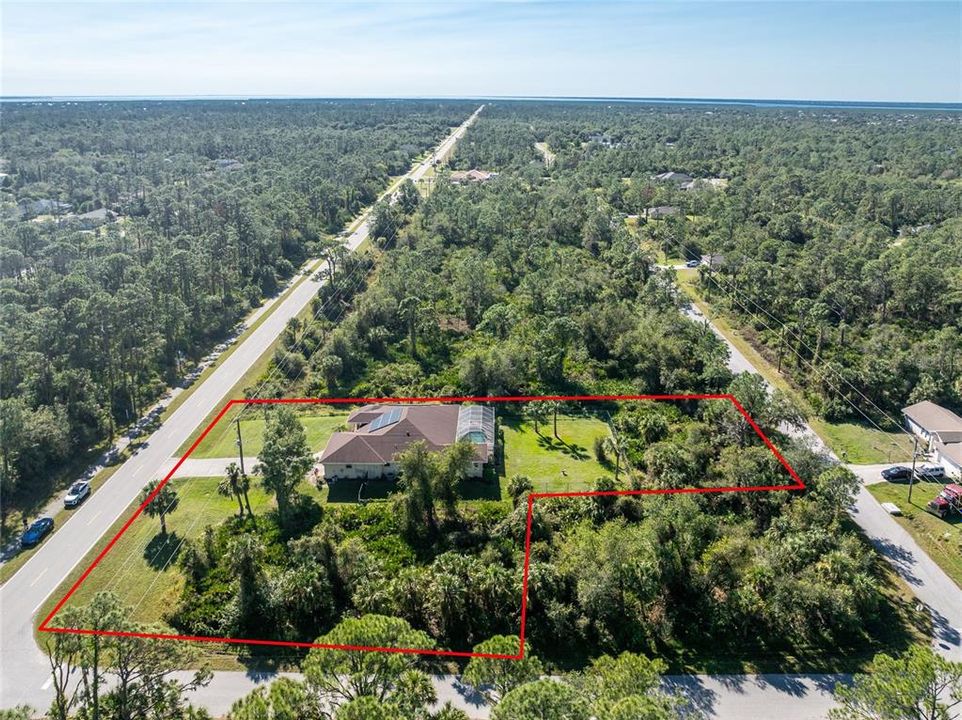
{"type": "Point", "coordinates": [228, 164]}
{"type": "Point", "coordinates": [933, 423]}
{"type": "Point", "coordinates": [379, 433]}
{"type": "Point", "coordinates": [678, 178]}
{"type": "Point", "coordinates": [714, 262]}
{"type": "Point", "coordinates": [654, 213]}
{"type": "Point", "coordinates": [94, 218]}
{"type": "Point", "coordinates": [940, 429]}
{"type": "Point", "coordinates": [705, 184]}
{"type": "Point", "coordinates": [473, 175]}
{"type": "Point", "coordinates": [45, 206]}
{"type": "Point", "coordinates": [603, 139]}
{"type": "Point", "coordinates": [949, 456]}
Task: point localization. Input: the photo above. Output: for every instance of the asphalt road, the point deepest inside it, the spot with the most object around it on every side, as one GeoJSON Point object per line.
{"type": "Point", "coordinates": [720, 697]}
{"type": "Point", "coordinates": [23, 669]}
{"type": "Point", "coordinates": [24, 673]}
{"type": "Point", "coordinates": [936, 590]}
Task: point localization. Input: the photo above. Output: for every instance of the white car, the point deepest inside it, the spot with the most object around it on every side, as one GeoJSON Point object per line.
{"type": "Point", "coordinates": [77, 494]}
{"type": "Point", "coordinates": [930, 472]}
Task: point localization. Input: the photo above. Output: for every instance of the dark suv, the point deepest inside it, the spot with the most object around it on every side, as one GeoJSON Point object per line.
{"type": "Point", "coordinates": [899, 473]}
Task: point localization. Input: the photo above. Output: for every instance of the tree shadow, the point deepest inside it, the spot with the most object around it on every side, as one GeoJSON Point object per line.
{"type": "Point", "coordinates": [553, 444]}
{"type": "Point", "coordinates": [479, 489]}
{"type": "Point", "coordinates": [163, 550]}
{"type": "Point", "coordinates": [354, 491]}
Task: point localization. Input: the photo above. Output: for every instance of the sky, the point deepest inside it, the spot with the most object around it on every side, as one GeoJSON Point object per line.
{"type": "Point", "coordinates": [857, 51]}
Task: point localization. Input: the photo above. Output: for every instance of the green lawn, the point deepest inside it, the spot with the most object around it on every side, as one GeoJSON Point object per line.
{"type": "Point", "coordinates": [940, 539]}
{"type": "Point", "coordinates": [141, 568]}
{"type": "Point", "coordinates": [221, 442]}
{"type": "Point", "coordinates": [554, 464]}
{"type": "Point", "coordinates": [862, 444]}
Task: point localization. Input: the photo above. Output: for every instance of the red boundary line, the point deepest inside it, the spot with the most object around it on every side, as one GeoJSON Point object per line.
{"type": "Point", "coordinates": [797, 485]}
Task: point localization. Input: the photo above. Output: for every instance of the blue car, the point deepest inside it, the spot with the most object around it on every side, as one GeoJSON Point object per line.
{"type": "Point", "coordinates": [36, 532]}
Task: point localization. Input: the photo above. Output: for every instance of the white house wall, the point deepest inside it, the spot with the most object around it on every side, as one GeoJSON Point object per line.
{"type": "Point", "coordinates": [950, 467]}
{"type": "Point", "coordinates": [374, 471]}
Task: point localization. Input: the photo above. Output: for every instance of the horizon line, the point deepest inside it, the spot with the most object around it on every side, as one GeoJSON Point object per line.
{"type": "Point", "coordinates": [925, 104]}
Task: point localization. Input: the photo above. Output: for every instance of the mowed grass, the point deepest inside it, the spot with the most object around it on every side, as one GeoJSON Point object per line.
{"type": "Point", "coordinates": [222, 439]}
{"type": "Point", "coordinates": [941, 539]}
{"type": "Point", "coordinates": [862, 444]}
{"type": "Point", "coordinates": [142, 567]}
{"type": "Point", "coordinates": [554, 464]}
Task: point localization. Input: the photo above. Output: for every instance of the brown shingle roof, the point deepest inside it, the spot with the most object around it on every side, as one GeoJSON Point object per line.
{"type": "Point", "coordinates": [434, 424]}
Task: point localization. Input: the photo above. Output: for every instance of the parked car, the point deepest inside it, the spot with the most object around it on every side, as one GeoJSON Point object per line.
{"type": "Point", "coordinates": [930, 472]}
{"type": "Point", "coordinates": [36, 532]}
{"type": "Point", "coordinates": [947, 501]}
{"type": "Point", "coordinates": [112, 457]}
{"type": "Point", "coordinates": [77, 493]}
{"type": "Point", "coordinates": [691, 264]}
{"type": "Point", "coordinates": [898, 473]}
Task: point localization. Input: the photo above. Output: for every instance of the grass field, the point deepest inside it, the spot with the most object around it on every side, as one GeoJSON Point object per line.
{"type": "Point", "coordinates": [554, 464]}
{"type": "Point", "coordinates": [141, 568]}
{"type": "Point", "coordinates": [862, 444]}
{"type": "Point", "coordinates": [221, 442]}
{"type": "Point", "coordinates": [940, 539]}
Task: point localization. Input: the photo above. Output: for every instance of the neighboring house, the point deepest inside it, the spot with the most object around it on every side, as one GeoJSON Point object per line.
{"type": "Point", "coordinates": [462, 176]}
{"type": "Point", "coordinates": [940, 429]}
{"type": "Point", "coordinates": [705, 184]}
{"type": "Point", "coordinates": [379, 433]}
{"type": "Point", "coordinates": [908, 231]}
{"type": "Point", "coordinates": [714, 262]}
{"type": "Point", "coordinates": [949, 456]}
{"type": "Point", "coordinates": [654, 213]}
{"type": "Point", "coordinates": [45, 206]}
{"type": "Point", "coordinates": [228, 164]}
{"type": "Point", "coordinates": [933, 423]}
{"type": "Point", "coordinates": [94, 218]}
{"type": "Point", "coordinates": [675, 177]}
{"type": "Point", "coordinates": [603, 139]}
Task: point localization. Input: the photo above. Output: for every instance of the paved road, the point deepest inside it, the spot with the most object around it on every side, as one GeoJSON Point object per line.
{"type": "Point", "coordinates": [721, 697]}
{"type": "Point", "coordinates": [23, 669]}
{"type": "Point", "coordinates": [931, 585]}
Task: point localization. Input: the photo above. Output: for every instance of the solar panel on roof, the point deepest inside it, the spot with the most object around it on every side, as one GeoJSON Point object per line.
{"type": "Point", "coordinates": [387, 418]}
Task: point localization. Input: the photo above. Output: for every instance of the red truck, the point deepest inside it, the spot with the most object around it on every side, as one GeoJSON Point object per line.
{"type": "Point", "coordinates": [947, 501]}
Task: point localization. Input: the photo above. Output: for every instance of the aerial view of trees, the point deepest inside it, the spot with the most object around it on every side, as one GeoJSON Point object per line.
{"type": "Point", "coordinates": [214, 205]}
{"type": "Point", "coordinates": [832, 236]}
{"type": "Point", "coordinates": [836, 234]}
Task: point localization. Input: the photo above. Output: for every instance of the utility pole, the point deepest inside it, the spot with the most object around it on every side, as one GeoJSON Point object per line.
{"type": "Point", "coordinates": [240, 445]}
{"type": "Point", "coordinates": [781, 347]}
{"type": "Point", "coordinates": [915, 454]}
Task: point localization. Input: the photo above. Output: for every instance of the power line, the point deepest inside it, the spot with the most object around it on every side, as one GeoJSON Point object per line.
{"type": "Point", "coordinates": [730, 289]}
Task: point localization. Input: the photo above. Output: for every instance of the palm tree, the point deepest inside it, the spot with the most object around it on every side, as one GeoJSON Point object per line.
{"type": "Point", "coordinates": [554, 405]}
{"type": "Point", "coordinates": [230, 485]}
{"type": "Point", "coordinates": [614, 445]}
{"type": "Point", "coordinates": [409, 308]}
{"type": "Point", "coordinates": [163, 503]}
{"type": "Point", "coordinates": [244, 485]}
{"type": "Point", "coordinates": [419, 467]}
{"type": "Point", "coordinates": [538, 414]}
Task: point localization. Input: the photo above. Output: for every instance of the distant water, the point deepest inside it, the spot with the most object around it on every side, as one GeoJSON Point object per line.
{"type": "Point", "coordinates": [742, 102]}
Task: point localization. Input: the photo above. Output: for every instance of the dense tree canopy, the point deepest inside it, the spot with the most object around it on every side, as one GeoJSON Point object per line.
{"type": "Point", "coordinates": [216, 204]}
